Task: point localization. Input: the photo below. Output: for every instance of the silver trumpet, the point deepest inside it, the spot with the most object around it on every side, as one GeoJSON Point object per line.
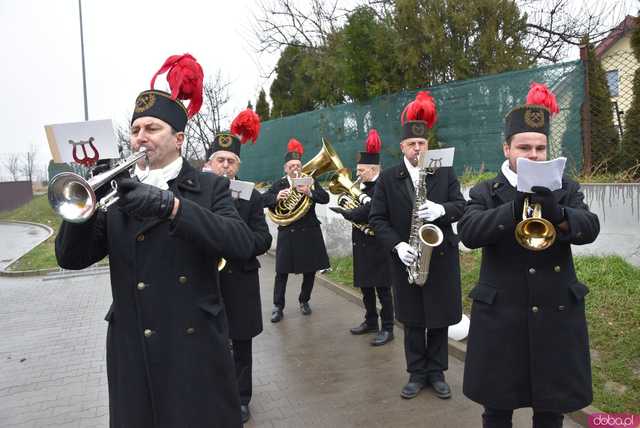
{"type": "Point", "coordinates": [74, 198]}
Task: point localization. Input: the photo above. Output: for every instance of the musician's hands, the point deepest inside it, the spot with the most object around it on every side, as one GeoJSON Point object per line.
{"type": "Point", "coordinates": [550, 208]}
{"type": "Point", "coordinates": [518, 205]}
{"type": "Point", "coordinates": [406, 253]}
{"type": "Point", "coordinates": [283, 194]}
{"type": "Point", "coordinates": [347, 214]}
{"type": "Point", "coordinates": [304, 189]}
{"type": "Point", "coordinates": [144, 201]}
{"type": "Point", "coordinates": [430, 211]}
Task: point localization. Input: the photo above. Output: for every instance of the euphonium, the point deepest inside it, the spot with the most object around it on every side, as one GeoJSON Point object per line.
{"type": "Point", "coordinates": [534, 232]}
{"type": "Point", "coordinates": [74, 198]}
{"type": "Point", "coordinates": [296, 205]}
{"type": "Point", "coordinates": [349, 195]}
{"type": "Point", "coordinates": [423, 236]}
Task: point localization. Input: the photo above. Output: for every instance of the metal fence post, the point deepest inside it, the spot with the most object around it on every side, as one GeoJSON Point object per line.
{"type": "Point", "coordinates": [585, 116]}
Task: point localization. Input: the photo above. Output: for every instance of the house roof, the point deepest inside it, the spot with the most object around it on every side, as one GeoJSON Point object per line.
{"type": "Point", "coordinates": [628, 24]}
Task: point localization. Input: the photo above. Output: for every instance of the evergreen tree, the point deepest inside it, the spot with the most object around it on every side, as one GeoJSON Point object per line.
{"type": "Point", "coordinates": [605, 147]}
{"type": "Point", "coordinates": [630, 153]}
{"type": "Point", "coordinates": [288, 92]}
{"type": "Point", "coordinates": [444, 40]}
{"type": "Point", "coordinates": [262, 106]}
{"type": "Point", "coordinates": [249, 105]}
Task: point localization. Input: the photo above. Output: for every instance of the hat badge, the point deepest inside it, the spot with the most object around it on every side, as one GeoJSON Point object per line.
{"type": "Point", "coordinates": [144, 102]}
{"type": "Point", "coordinates": [417, 129]}
{"type": "Point", "coordinates": [225, 141]}
{"type": "Point", "coordinates": [534, 118]}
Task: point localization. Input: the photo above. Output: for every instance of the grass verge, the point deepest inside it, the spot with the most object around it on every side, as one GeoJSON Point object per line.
{"type": "Point", "coordinates": [613, 315]}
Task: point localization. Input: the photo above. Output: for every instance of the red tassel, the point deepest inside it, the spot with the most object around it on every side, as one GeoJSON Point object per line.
{"type": "Point", "coordinates": [185, 79]}
{"type": "Point", "coordinates": [246, 125]}
{"type": "Point", "coordinates": [422, 108]}
{"type": "Point", "coordinates": [541, 95]}
{"type": "Point", "coordinates": [374, 143]}
{"type": "Point", "coordinates": [295, 146]}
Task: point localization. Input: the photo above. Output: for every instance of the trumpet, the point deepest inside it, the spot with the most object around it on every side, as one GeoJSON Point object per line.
{"type": "Point", "coordinates": [74, 198]}
{"type": "Point", "coordinates": [534, 232]}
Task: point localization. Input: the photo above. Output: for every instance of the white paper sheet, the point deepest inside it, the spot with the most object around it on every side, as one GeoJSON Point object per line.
{"type": "Point", "coordinates": [544, 173]}
{"type": "Point", "coordinates": [241, 189]}
{"type": "Point", "coordinates": [302, 181]}
{"type": "Point", "coordinates": [438, 158]}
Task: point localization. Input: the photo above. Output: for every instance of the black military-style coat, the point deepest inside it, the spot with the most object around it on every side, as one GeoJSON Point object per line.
{"type": "Point", "coordinates": [528, 344]}
{"type": "Point", "coordinates": [370, 261]}
{"type": "Point", "coordinates": [168, 361]}
{"type": "Point", "coordinates": [438, 303]}
{"type": "Point", "coordinates": [300, 246]}
{"type": "Point", "coordinates": [239, 280]}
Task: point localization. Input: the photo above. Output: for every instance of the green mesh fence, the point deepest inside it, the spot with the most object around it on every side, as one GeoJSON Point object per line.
{"type": "Point", "coordinates": [470, 118]}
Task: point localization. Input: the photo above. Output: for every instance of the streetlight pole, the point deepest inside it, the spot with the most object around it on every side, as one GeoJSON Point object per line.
{"type": "Point", "coordinates": [84, 77]}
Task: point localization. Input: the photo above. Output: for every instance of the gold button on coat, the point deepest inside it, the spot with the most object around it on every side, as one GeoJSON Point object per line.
{"type": "Point", "coordinates": [556, 268]}
{"type": "Point", "coordinates": [534, 309]}
{"type": "Point", "coordinates": [191, 330]}
{"type": "Point", "coordinates": [140, 238]}
{"type": "Point", "coordinates": [182, 279]}
{"type": "Point", "coordinates": [148, 333]}
{"type": "Point", "coordinates": [532, 271]}
{"type": "Point", "coordinates": [141, 285]}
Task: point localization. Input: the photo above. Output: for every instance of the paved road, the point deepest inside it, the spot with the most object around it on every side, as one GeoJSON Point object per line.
{"type": "Point", "coordinates": [308, 371]}
{"type": "Point", "coordinates": [18, 239]}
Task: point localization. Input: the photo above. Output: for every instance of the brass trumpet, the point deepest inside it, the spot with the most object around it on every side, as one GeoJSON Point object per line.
{"type": "Point", "coordinates": [74, 198]}
{"type": "Point", "coordinates": [534, 232]}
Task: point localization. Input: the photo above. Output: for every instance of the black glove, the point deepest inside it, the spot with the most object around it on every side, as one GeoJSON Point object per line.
{"type": "Point", "coordinates": [344, 213]}
{"type": "Point", "coordinates": [144, 201]}
{"type": "Point", "coordinates": [550, 208]}
{"type": "Point", "coordinates": [518, 205]}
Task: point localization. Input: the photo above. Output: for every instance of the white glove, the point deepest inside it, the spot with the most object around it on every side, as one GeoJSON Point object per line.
{"type": "Point", "coordinates": [406, 253]}
{"type": "Point", "coordinates": [430, 211]}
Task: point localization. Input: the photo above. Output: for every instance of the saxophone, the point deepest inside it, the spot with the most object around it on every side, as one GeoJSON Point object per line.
{"type": "Point", "coordinates": [423, 237]}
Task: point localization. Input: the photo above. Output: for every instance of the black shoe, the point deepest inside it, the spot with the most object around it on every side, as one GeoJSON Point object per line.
{"type": "Point", "coordinates": [276, 314]}
{"type": "Point", "coordinates": [383, 336]}
{"type": "Point", "coordinates": [441, 388]}
{"type": "Point", "coordinates": [363, 328]}
{"type": "Point", "coordinates": [305, 309]}
{"type": "Point", "coordinates": [411, 389]}
{"type": "Point", "coordinates": [245, 414]}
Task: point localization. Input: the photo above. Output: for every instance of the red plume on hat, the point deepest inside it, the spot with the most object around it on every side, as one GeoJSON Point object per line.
{"type": "Point", "coordinates": [422, 108]}
{"type": "Point", "coordinates": [295, 146]}
{"type": "Point", "coordinates": [185, 78]}
{"type": "Point", "coordinates": [540, 94]}
{"type": "Point", "coordinates": [374, 143]}
{"type": "Point", "coordinates": [246, 125]}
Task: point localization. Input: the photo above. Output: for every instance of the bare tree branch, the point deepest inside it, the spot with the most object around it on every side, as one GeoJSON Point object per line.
{"type": "Point", "coordinates": [11, 161]}
{"type": "Point", "coordinates": [203, 127]}
{"type": "Point", "coordinates": [27, 163]}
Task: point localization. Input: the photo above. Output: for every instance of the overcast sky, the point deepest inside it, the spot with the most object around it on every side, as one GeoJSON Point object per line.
{"type": "Point", "coordinates": [125, 43]}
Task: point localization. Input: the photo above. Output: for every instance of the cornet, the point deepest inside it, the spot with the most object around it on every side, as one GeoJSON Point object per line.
{"type": "Point", "coordinates": [534, 232]}
{"type": "Point", "coordinates": [74, 198]}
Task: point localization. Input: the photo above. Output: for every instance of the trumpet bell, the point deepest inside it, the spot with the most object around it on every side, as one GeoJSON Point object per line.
{"type": "Point", "coordinates": [72, 197]}
{"type": "Point", "coordinates": [534, 232]}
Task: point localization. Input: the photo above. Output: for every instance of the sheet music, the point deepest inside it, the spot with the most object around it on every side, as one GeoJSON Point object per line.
{"type": "Point", "coordinates": [438, 158]}
{"type": "Point", "coordinates": [543, 173]}
{"type": "Point", "coordinates": [241, 189]}
{"type": "Point", "coordinates": [94, 138]}
{"type": "Point", "coordinates": [302, 181]}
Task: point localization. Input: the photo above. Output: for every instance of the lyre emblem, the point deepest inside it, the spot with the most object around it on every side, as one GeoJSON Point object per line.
{"type": "Point", "coordinates": [86, 160]}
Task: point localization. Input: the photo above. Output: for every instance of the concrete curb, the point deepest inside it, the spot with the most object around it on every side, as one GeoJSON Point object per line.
{"type": "Point", "coordinates": [5, 272]}
{"type": "Point", "coordinates": [456, 349]}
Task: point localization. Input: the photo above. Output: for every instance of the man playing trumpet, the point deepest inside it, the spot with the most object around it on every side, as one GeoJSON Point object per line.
{"type": "Point", "coordinates": [528, 344]}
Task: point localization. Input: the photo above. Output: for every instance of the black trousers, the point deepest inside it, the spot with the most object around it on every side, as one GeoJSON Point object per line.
{"type": "Point", "coordinates": [426, 359]}
{"type": "Point", "coordinates": [386, 313]}
{"type": "Point", "coordinates": [280, 288]}
{"type": "Point", "coordinates": [243, 360]}
{"type": "Point", "coordinates": [500, 418]}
